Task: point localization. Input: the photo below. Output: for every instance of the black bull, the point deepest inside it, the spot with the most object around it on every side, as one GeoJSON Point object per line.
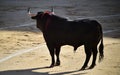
{"type": "Point", "coordinates": [58, 31]}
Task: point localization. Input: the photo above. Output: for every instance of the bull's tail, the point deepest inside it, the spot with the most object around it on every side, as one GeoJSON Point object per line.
{"type": "Point", "coordinates": [101, 48]}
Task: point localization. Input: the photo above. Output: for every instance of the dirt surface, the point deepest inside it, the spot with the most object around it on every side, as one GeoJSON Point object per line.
{"type": "Point", "coordinates": [18, 33]}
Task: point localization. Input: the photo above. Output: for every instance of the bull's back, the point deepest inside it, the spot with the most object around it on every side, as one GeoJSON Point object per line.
{"type": "Point", "coordinates": [76, 28]}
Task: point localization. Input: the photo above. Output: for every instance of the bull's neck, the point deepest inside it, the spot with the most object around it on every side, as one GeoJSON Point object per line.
{"type": "Point", "coordinates": [46, 24]}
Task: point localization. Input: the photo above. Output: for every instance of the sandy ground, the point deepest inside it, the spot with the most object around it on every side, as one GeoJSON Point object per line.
{"type": "Point", "coordinates": [16, 39]}
{"type": "Point", "coordinates": [35, 62]}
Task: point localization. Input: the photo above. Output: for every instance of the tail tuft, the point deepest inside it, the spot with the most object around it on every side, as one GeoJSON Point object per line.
{"type": "Point", "coordinates": [101, 47]}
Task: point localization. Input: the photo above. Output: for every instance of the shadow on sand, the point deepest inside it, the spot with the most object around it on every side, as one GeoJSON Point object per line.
{"type": "Point", "coordinates": [31, 72]}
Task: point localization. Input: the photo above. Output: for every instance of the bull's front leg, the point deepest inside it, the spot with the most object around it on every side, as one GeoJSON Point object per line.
{"type": "Point", "coordinates": [57, 51]}
{"type": "Point", "coordinates": [51, 50]}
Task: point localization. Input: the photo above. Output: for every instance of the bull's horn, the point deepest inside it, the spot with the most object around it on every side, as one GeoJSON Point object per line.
{"type": "Point", "coordinates": [28, 11]}
{"type": "Point", "coordinates": [52, 10]}
{"type": "Point", "coordinates": [30, 14]}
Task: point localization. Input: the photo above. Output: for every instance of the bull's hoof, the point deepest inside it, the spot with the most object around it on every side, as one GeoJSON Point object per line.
{"type": "Point", "coordinates": [57, 64]}
{"type": "Point", "coordinates": [92, 66]}
{"type": "Point", "coordinates": [51, 66]}
{"type": "Point", "coordinates": [83, 68]}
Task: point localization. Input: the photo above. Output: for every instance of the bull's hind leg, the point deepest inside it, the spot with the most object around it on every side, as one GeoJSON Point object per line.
{"type": "Point", "coordinates": [57, 51]}
{"type": "Point", "coordinates": [88, 55]}
{"type": "Point", "coordinates": [94, 50]}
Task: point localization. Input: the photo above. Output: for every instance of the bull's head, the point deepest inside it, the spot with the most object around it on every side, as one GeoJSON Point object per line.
{"type": "Point", "coordinates": [40, 17]}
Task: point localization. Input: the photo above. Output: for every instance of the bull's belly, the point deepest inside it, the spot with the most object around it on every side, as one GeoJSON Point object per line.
{"type": "Point", "coordinates": [72, 39]}
{"type": "Point", "coordinates": [71, 42]}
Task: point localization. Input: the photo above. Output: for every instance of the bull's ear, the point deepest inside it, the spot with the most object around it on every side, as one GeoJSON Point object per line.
{"type": "Point", "coordinates": [33, 17]}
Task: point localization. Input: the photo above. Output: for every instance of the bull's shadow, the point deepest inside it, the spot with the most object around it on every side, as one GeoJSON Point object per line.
{"type": "Point", "coordinates": [31, 72]}
{"type": "Point", "coordinates": [23, 72]}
